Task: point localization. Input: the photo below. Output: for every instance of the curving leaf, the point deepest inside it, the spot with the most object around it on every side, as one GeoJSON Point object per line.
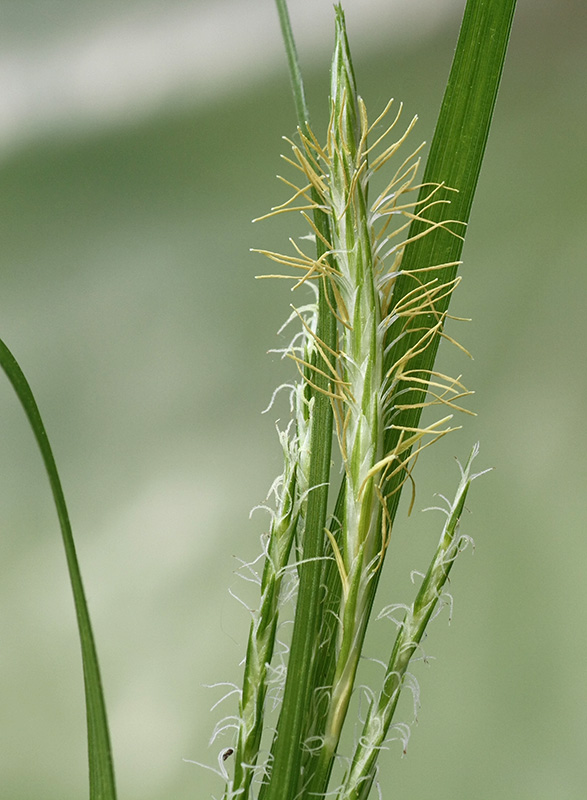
{"type": "Point", "coordinates": [102, 785]}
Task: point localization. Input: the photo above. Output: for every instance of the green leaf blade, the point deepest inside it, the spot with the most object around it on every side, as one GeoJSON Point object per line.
{"type": "Point", "coordinates": [455, 159]}
{"type": "Point", "coordinates": [101, 770]}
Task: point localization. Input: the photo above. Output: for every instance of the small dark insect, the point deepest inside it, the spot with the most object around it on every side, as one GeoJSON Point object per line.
{"type": "Point", "coordinates": [227, 753]}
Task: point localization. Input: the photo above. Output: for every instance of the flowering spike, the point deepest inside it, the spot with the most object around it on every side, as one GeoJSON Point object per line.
{"type": "Point", "coordinates": [356, 271]}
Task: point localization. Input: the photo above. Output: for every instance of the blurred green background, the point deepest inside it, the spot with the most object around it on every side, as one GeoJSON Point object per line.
{"type": "Point", "coordinates": [137, 141]}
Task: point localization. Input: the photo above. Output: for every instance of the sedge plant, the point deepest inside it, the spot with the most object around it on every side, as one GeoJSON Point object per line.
{"type": "Point", "coordinates": [377, 285]}
{"type": "Point", "coordinates": [375, 273]}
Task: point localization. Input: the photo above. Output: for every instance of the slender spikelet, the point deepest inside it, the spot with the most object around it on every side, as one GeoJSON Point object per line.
{"type": "Point", "coordinates": [361, 774]}
{"type": "Point", "coordinates": [287, 519]}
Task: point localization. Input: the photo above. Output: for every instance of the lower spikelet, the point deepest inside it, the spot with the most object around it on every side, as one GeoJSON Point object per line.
{"type": "Point", "coordinates": [262, 681]}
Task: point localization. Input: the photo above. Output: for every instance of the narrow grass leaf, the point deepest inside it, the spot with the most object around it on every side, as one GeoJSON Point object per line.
{"type": "Point", "coordinates": [454, 161]}
{"type": "Point", "coordinates": [101, 771]}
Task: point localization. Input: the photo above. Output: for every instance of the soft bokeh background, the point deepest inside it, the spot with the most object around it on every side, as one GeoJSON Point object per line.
{"type": "Point", "coordinates": [137, 141]}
